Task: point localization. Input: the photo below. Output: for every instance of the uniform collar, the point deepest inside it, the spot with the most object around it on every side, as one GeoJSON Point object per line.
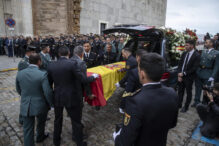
{"type": "Point", "coordinates": [27, 56]}
{"type": "Point", "coordinates": [43, 53]}
{"type": "Point", "coordinates": [153, 83]}
{"type": "Point", "coordinates": [33, 66]}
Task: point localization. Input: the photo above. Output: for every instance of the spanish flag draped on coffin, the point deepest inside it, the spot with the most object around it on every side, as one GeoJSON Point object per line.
{"type": "Point", "coordinates": [104, 86]}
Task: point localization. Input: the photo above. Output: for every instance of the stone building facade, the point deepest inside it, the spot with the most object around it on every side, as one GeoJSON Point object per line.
{"type": "Point", "coordinates": [40, 17]}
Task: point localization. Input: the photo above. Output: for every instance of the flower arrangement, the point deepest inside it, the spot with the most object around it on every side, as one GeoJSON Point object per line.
{"type": "Point", "coordinates": [176, 42]}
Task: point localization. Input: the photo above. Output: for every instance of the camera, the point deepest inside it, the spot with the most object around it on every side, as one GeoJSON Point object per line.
{"type": "Point", "coordinates": [208, 88]}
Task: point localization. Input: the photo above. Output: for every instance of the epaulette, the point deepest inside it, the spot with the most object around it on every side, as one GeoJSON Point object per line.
{"type": "Point", "coordinates": [126, 94]}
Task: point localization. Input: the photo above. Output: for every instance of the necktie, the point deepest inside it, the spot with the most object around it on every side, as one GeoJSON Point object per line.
{"type": "Point", "coordinates": [185, 62]}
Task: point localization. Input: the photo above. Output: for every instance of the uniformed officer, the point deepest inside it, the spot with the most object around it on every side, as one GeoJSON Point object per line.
{"type": "Point", "coordinates": [45, 57]}
{"type": "Point", "coordinates": [150, 112]}
{"type": "Point", "coordinates": [89, 57]}
{"type": "Point", "coordinates": [133, 83]}
{"type": "Point", "coordinates": [24, 63]}
{"type": "Point", "coordinates": [130, 64]}
{"type": "Point", "coordinates": [36, 99]}
{"type": "Point", "coordinates": [208, 70]}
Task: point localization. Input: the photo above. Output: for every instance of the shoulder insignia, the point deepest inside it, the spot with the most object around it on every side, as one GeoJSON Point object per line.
{"type": "Point", "coordinates": [126, 94]}
{"type": "Point", "coordinates": [126, 119]}
{"type": "Point", "coordinates": [127, 66]}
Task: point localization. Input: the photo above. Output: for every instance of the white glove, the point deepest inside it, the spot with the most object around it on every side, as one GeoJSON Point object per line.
{"type": "Point", "coordinates": [116, 134]}
{"type": "Point", "coordinates": [210, 79]}
{"type": "Point", "coordinates": [95, 76]}
{"type": "Point", "coordinates": [117, 85]}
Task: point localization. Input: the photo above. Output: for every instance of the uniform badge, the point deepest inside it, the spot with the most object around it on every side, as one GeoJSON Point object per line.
{"type": "Point", "coordinates": [127, 119]}
{"type": "Point", "coordinates": [127, 66]}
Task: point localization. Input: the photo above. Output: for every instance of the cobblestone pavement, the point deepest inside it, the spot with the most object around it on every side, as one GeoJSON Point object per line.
{"type": "Point", "coordinates": [99, 125]}
{"type": "Point", "coordinates": [6, 63]}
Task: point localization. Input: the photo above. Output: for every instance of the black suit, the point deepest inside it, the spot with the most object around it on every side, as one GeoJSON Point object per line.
{"type": "Point", "coordinates": [86, 82]}
{"type": "Point", "coordinates": [149, 115]}
{"type": "Point", "coordinates": [189, 74]}
{"type": "Point", "coordinates": [65, 75]}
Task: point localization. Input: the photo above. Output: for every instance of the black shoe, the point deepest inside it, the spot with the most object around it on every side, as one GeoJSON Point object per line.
{"type": "Point", "coordinates": [57, 143]}
{"type": "Point", "coordinates": [184, 110]}
{"type": "Point", "coordinates": [84, 144]}
{"type": "Point", "coordinates": [84, 137]}
{"type": "Point", "coordinates": [194, 105]}
{"type": "Point", "coordinates": [42, 138]}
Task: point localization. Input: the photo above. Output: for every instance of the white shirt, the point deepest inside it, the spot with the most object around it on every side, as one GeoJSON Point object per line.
{"type": "Point", "coordinates": [153, 83]}
{"type": "Point", "coordinates": [87, 54]}
{"type": "Point", "coordinates": [190, 55]}
{"type": "Point", "coordinates": [43, 53]}
{"type": "Point", "coordinates": [209, 50]}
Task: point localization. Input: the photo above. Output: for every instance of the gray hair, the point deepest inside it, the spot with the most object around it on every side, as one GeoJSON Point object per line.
{"type": "Point", "coordinates": [78, 50]}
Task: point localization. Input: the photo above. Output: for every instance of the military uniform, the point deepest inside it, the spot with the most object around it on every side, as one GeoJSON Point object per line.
{"type": "Point", "coordinates": [133, 84]}
{"type": "Point", "coordinates": [209, 68]}
{"type": "Point", "coordinates": [91, 59]}
{"type": "Point", "coordinates": [24, 63]}
{"type": "Point", "coordinates": [109, 57]}
{"type": "Point", "coordinates": [36, 99]}
{"type": "Point", "coordinates": [130, 64]}
{"type": "Point", "coordinates": [150, 113]}
{"type": "Point", "coordinates": [46, 59]}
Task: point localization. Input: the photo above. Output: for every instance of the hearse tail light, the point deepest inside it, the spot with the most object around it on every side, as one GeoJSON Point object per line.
{"type": "Point", "coordinates": [165, 76]}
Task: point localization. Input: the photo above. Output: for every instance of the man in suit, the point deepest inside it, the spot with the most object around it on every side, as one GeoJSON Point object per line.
{"type": "Point", "coordinates": [151, 111]}
{"type": "Point", "coordinates": [131, 63]}
{"type": "Point", "coordinates": [36, 99]}
{"type": "Point", "coordinates": [187, 67]}
{"type": "Point", "coordinates": [208, 69]}
{"type": "Point", "coordinates": [78, 55]}
{"type": "Point", "coordinates": [89, 57]}
{"type": "Point", "coordinates": [67, 77]}
{"type": "Point", "coordinates": [45, 57]}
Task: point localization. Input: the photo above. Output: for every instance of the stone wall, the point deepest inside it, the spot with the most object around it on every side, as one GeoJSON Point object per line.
{"type": "Point", "coordinates": [21, 11]}
{"type": "Point", "coordinates": [150, 12]}
{"type": "Point", "coordinates": [50, 16]}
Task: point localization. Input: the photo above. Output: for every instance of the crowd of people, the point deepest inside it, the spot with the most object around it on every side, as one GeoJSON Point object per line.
{"type": "Point", "coordinates": [44, 84]}
{"type": "Point", "coordinates": [17, 45]}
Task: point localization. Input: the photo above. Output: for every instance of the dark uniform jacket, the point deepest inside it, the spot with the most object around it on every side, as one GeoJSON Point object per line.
{"type": "Point", "coordinates": [149, 115]}
{"type": "Point", "coordinates": [88, 80]}
{"type": "Point", "coordinates": [91, 60]}
{"type": "Point", "coordinates": [109, 57]}
{"type": "Point", "coordinates": [133, 82]}
{"type": "Point", "coordinates": [130, 64]}
{"type": "Point", "coordinates": [66, 75]}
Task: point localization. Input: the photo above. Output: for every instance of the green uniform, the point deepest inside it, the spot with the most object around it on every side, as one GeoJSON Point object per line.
{"type": "Point", "coordinates": [36, 99]}
{"type": "Point", "coordinates": [209, 68]}
{"type": "Point", "coordinates": [46, 59]}
{"type": "Point", "coordinates": [24, 63]}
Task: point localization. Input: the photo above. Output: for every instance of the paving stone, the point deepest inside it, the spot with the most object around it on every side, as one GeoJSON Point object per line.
{"type": "Point", "coordinates": [99, 125]}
